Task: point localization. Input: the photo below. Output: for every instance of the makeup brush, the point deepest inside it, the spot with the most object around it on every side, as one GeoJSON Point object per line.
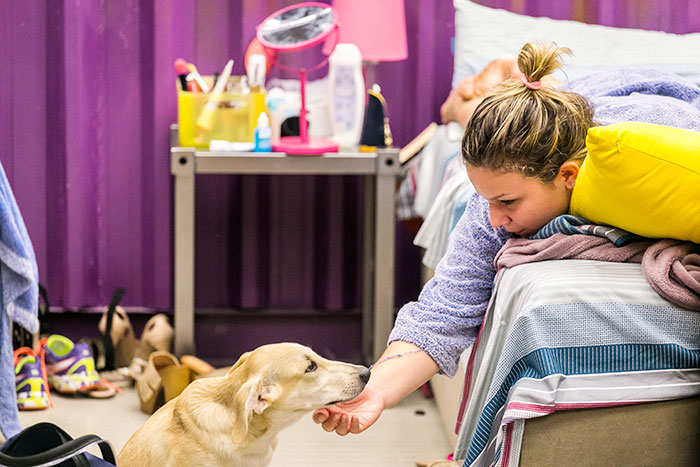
{"type": "Point", "coordinates": [182, 71]}
{"type": "Point", "coordinates": [197, 77]}
{"type": "Point", "coordinates": [205, 122]}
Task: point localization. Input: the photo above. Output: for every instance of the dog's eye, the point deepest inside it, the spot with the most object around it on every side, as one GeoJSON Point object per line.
{"type": "Point", "coordinates": [312, 367]}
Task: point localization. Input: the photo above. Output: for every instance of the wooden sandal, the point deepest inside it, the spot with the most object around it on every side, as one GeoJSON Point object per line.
{"type": "Point", "coordinates": [175, 380]}
{"type": "Point", "coordinates": [149, 384]}
{"type": "Point", "coordinates": [202, 369]}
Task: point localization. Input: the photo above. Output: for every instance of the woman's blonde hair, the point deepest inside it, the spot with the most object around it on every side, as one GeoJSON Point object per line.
{"type": "Point", "coordinates": [528, 127]}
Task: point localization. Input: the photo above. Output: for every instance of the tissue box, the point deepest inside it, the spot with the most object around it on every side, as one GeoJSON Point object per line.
{"type": "Point", "coordinates": [227, 116]}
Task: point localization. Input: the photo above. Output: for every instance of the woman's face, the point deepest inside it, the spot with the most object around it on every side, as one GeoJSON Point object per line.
{"type": "Point", "coordinates": [523, 205]}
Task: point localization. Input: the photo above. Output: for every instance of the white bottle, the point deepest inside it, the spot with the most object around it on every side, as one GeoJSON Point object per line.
{"type": "Point", "coordinates": [263, 134]}
{"type": "Point", "coordinates": [346, 87]}
{"type": "Point", "coordinates": [276, 107]}
{"type": "Point", "coordinates": [255, 70]}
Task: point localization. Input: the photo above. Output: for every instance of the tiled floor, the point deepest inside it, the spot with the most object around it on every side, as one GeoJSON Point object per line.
{"type": "Point", "coordinates": [407, 433]}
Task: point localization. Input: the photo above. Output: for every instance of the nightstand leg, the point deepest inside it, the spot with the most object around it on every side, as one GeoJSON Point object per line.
{"type": "Point", "coordinates": [182, 166]}
{"type": "Point", "coordinates": [384, 261]}
{"type": "Point", "coordinates": [368, 268]}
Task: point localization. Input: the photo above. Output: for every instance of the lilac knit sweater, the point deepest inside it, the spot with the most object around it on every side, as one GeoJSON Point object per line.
{"type": "Point", "coordinates": [446, 318]}
{"type": "Point", "coordinates": [451, 306]}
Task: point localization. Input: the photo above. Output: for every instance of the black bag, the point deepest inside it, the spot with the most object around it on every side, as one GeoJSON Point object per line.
{"type": "Point", "coordinates": [375, 126]}
{"type": "Point", "coordinates": [45, 444]}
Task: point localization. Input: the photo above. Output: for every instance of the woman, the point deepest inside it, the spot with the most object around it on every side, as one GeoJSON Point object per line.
{"type": "Point", "coordinates": [522, 147]}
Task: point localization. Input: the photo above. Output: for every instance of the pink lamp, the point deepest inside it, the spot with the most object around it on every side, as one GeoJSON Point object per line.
{"type": "Point", "coordinates": [377, 27]}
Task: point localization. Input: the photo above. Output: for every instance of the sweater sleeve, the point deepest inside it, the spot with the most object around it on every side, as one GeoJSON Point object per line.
{"type": "Point", "coordinates": [446, 318]}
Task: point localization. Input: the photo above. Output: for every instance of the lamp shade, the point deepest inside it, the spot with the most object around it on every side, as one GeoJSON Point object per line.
{"type": "Point", "coordinates": [377, 27]}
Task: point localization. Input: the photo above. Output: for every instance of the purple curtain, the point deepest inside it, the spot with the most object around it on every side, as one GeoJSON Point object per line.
{"type": "Point", "coordinates": [86, 100]}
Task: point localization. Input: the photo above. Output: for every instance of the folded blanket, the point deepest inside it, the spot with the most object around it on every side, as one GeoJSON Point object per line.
{"type": "Point", "coordinates": [672, 268]}
{"type": "Point", "coordinates": [19, 282]}
{"type": "Point", "coordinates": [562, 246]}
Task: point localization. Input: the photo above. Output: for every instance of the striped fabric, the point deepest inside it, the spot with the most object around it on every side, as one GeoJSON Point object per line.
{"type": "Point", "coordinates": [568, 224]}
{"type": "Point", "coordinates": [532, 398]}
{"type": "Point", "coordinates": [571, 334]}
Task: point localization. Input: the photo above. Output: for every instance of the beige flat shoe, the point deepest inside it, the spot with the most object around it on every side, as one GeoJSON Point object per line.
{"type": "Point", "coordinates": [157, 335]}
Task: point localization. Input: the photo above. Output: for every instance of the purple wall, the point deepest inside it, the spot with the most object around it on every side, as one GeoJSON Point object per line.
{"type": "Point", "coordinates": [88, 95]}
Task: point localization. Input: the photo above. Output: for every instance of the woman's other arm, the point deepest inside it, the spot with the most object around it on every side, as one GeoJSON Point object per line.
{"type": "Point", "coordinates": [464, 99]}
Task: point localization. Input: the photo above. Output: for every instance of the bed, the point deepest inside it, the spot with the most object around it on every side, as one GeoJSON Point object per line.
{"type": "Point", "coordinates": [578, 362]}
{"type": "Point", "coordinates": [571, 334]}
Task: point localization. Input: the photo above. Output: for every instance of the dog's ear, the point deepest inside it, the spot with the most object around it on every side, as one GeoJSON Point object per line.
{"type": "Point", "coordinates": [253, 397]}
{"type": "Point", "coordinates": [242, 360]}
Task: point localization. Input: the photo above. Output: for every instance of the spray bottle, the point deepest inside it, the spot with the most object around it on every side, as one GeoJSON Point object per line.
{"type": "Point", "coordinates": [347, 94]}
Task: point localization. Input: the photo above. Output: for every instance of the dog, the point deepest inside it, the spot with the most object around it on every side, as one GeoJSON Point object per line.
{"type": "Point", "coordinates": [233, 420]}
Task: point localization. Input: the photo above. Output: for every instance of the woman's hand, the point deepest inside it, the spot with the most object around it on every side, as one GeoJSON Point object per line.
{"type": "Point", "coordinates": [400, 370]}
{"type": "Point", "coordinates": [354, 416]}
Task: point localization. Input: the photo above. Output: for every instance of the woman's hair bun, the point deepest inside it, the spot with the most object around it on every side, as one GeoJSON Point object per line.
{"type": "Point", "coordinates": [537, 60]}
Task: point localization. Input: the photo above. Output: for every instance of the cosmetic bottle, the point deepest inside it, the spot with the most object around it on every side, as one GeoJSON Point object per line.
{"type": "Point", "coordinates": [255, 69]}
{"type": "Point", "coordinates": [263, 134]}
{"type": "Point", "coordinates": [347, 94]}
{"type": "Point", "coordinates": [275, 103]}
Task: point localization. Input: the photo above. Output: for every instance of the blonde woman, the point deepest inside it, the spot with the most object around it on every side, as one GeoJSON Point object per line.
{"type": "Point", "coordinates": [523, 144]}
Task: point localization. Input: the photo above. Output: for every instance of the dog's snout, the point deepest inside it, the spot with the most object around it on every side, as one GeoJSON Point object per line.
{"type": "Point", "coordinates": [364, 375]}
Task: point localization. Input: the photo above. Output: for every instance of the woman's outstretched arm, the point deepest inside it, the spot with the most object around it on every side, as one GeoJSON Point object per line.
{"type": "Point", "coordinates": [400, 370]}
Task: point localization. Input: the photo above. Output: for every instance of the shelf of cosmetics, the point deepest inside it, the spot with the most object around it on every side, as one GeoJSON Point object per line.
{"type": "Point", "coordinates": [230, 116]}
{"type": "Point", "coordinates": [232, 120]}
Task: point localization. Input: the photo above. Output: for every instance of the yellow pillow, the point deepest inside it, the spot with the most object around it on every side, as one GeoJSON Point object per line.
{"type": "Point", "coordinates": [642, 178]}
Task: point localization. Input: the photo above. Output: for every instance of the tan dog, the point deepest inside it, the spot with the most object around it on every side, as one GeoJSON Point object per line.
{"type": "Point", "coordinates": [233, 420]}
